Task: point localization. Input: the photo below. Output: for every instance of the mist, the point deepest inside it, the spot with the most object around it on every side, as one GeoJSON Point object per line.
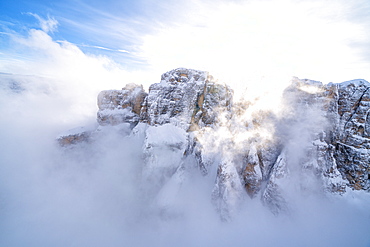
{"type": "Point", "coordinates": [94, 194]}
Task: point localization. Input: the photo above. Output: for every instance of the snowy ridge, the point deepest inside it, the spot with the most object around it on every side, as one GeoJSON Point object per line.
{"type": "Point", "coordinates": [189, 124]}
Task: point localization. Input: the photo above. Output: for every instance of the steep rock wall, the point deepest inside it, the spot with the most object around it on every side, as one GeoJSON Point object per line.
{"type": "Point", "coordinates": [319, 142]}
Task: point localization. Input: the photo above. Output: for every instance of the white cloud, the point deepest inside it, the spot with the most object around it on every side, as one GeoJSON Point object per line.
{"type": "Point", "coordinates": [250, 39]}
{"type": "Point", "coordinates": [73, 75]}
{"type": "Point", "coordinates": [241, 42]}
{"type": "Point", "coordinates": [89, 195]}
{"type": "Point", "coordinates": [48, 25]}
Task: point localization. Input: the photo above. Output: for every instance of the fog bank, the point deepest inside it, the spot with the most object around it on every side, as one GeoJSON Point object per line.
{"type": "Point", "coordinates": [91, 194]}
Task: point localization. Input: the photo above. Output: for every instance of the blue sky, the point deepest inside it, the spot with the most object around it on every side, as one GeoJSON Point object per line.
{"type": "Point", "coordinates": [239, 41]}
{"type": "Point", "coordinates": [81, 23]}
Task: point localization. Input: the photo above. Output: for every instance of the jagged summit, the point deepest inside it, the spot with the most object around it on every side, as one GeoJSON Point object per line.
{"type": "Point", "coordinates": [182, 75]}
{"type": "Point", "coordinates": [189, 122]}
{"type": "Point", "coordinates": [183, 97]}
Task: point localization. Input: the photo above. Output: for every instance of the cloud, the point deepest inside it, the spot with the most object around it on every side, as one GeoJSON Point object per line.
{"type": "Point", "coordinates": [308, 39]}
{"type": "Point", "coordinates": [48, 25]}
{"type": "Point", "coordinates": [66, 70]}
{"type": "Point", "coordinates": [90, 195]}
{"type": "Point", "coordinates": [242, 42]}
{"type": "Point", "coordinates": [98, 47]}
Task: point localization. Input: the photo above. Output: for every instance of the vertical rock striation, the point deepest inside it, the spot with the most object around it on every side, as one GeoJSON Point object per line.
{"type": "Point", "coordinates": [121, 106]}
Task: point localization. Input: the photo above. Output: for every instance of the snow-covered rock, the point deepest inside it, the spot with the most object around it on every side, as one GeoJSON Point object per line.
{"type": "Point", "coordinates": [184, 98]}
{"type": "Point", "coordinates": [163, 151]}
{"type": "Point", "coordinates": [74, 136]}
{"type": "Point", "coordinates": [120, 106]}
{"type": "Point", "coordinates": [352, 136]}
{"type": "Point", "coordinates": [318, 143]}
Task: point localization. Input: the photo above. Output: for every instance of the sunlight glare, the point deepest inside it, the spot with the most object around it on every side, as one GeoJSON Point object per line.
{"type": "Point", "coordinates": [242, 44]}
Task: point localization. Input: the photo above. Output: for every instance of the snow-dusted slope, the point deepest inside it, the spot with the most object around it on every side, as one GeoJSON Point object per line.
{"type": "Point", "coordinates": [319, 142]}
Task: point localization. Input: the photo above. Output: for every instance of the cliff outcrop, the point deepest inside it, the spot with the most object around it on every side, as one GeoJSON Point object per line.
{"type": "Point", "coordinates": [319, 141]}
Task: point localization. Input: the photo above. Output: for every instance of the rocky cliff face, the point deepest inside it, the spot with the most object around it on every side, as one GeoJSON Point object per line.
{"type": "Point", "coordinates": [121, 106]}
{"type": "Point", "coordinates": [319, 141]}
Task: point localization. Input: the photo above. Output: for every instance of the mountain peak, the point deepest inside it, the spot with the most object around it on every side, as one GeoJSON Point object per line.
{"type": "Point", "coordinates": [320, 142]}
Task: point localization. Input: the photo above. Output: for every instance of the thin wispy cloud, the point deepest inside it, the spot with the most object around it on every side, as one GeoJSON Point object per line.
{"type": "Point", "coordinates": [96, 47]}
{"type": "Point", "coordinates": [48, 25]}
{"type": "Point", "coordinates": [5, 33]}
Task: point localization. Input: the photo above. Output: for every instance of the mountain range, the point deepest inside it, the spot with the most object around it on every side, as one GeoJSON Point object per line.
{"type": "Point", "coordinates": [318, 141]}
